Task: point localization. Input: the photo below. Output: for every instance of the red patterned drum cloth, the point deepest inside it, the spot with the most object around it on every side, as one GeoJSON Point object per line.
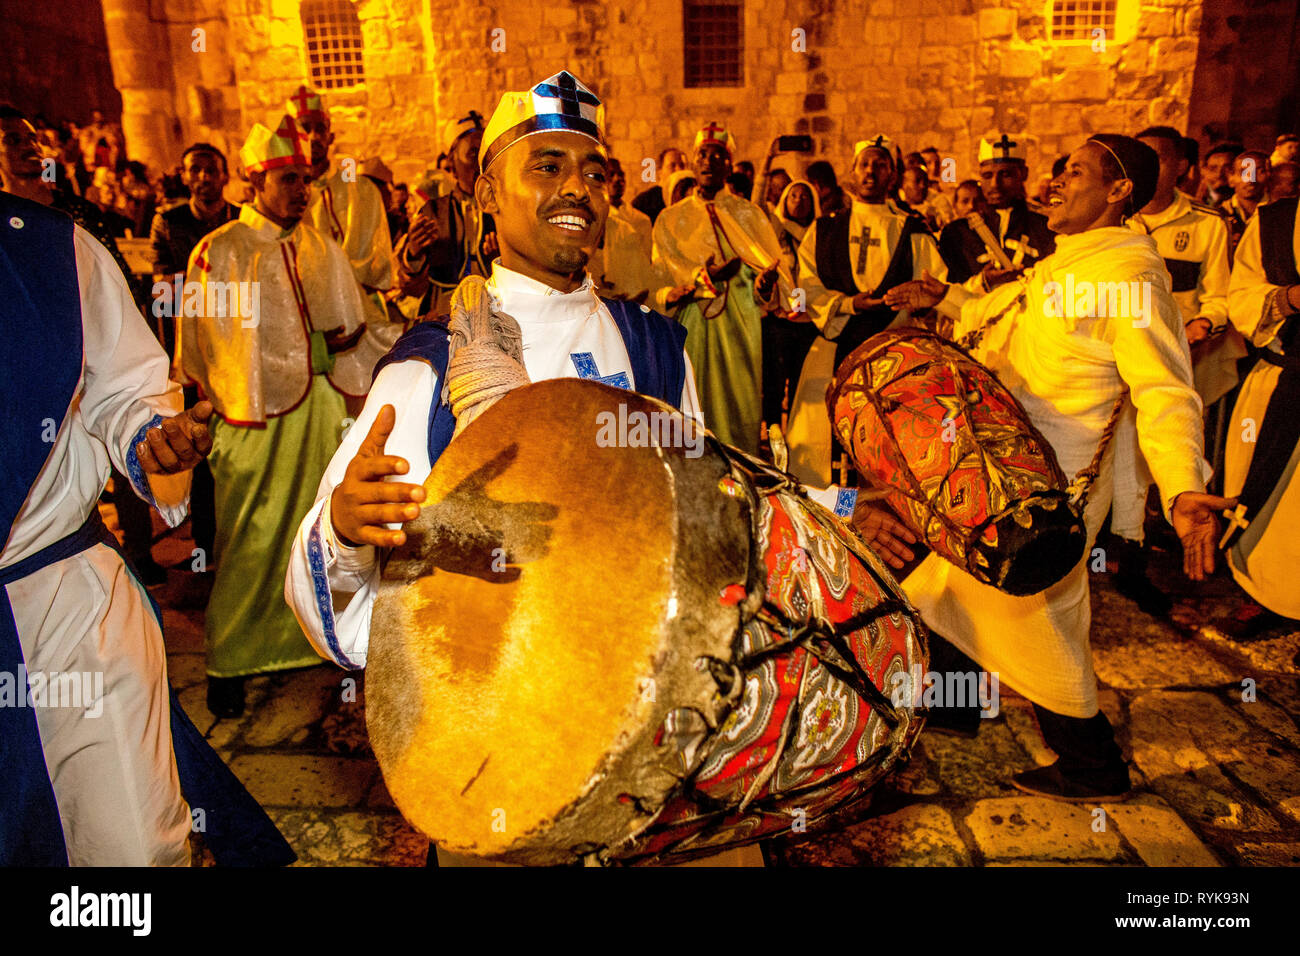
{"type": "Point", "coordinates": [677, 652]}
{"type": "Point", "coordinates": [960, 461]}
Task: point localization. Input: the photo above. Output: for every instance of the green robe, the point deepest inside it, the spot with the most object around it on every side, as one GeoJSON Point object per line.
{"type": "Point", "coordinates": [266, 480]}
{"type": "Point", "coordinates": [724, 337]}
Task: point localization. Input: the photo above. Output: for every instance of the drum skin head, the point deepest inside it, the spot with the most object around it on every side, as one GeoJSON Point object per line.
{"type": "Point", "coordinates": [521, 645]}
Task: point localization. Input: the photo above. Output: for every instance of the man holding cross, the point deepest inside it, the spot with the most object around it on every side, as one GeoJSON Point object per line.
{"type": "Point", "coordinates": [847, 261]}
{"type": "Point", "coordinates": [1021, 232]}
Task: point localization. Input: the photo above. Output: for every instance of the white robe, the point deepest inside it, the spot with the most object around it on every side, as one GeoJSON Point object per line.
{"type": "Point", "coordinates": [555, 327]}
{"type": "Point", "coordinates": [1265, 556]}
{"type": "Point", "coordinates": [1067, 373]}
{"type": "Point", "coordinates": [114, 773]}
{"type": "Point", "coordinates": [350, 210]}
{"type": "Point", "coordinates": [810, 432]}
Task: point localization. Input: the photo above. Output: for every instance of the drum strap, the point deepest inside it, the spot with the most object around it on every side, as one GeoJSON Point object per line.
{"type": "Point", "coordinates": [1081, 486]}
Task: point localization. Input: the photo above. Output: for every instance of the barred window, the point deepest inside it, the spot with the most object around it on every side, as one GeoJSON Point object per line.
{"type": "Point", "coordinates": [1079, 19]}
{"type": "Point", "coordinates": [333, 43]}
{"type": "Point", "coordinates": [714, 35]}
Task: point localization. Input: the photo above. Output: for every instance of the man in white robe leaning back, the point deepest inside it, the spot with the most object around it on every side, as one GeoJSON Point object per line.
{"type": "Point", "coordinates": [1052, 341]}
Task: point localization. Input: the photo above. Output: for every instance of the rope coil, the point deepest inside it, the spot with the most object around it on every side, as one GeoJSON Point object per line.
{"type": "Point", "coordinates": [484, 354]}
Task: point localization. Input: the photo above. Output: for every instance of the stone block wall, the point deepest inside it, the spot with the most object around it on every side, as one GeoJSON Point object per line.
{"type": "Point", "coordinates": [927, 72]}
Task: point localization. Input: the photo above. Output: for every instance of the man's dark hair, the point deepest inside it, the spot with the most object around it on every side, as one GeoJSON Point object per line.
{"type": "Point", "coordinates": [1162, 132]}
{"type": "Point", "coordinates": [397, 186]}
{"type": "Point", "coordinates": [663, 153]}
{"type": "Point", "coordinates": [1124, 157]}
{"type": "Point", "coordinates": [206, 148]}
{"type": "Point", "coordinates": [1233, 150]}
{"type": "Point", "coordinates": [746, 167]}
{"type": "Point", "coordinates": [612, 163]}
{"type": "Point", "coordinates": [1058, 166]}
{"type": "Point", "coordinates": [741, 184]}
{"type": "Point", "coordinates": [11, 112]}
{"type": "Point", "coordinates": [1192, 150]}
{"type": "Point", "coordinates": [822, 174]}
{"type": "Point", "coordinates": [970, 184]}
{"type": "Point", "coordinates": [913, 159]}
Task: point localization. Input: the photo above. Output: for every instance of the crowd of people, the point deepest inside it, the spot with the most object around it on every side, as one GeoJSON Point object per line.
{"type": "Point", "coordinates": [769, 276]}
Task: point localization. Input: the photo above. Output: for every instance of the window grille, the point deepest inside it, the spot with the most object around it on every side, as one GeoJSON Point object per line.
{"type": "Point", "coordinates": [713, 32]}
{"type": "Point", "coordinates": [333, 44]}
{"type": "Point", "coordinates": [1078, 19]}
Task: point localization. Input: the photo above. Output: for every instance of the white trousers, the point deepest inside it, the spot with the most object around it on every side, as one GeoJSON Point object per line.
{"type": "Point", "coordinates": [109, 752]}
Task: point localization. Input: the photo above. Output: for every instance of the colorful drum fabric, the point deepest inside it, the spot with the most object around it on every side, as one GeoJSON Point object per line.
{"type": "Point", "coordinates": [960, 461]}
{"type": "Point", "coordinates": [612, 643]}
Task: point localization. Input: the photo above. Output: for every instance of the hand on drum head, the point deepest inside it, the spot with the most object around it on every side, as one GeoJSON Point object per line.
{"type": "Point", "coordinates": [364, 502]}
{"type": "Point", "coordinates": [1193, 516]}
{"type": "Point", "coordinates": [888, 536]}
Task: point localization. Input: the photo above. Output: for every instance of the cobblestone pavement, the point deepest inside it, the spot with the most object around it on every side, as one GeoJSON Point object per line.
{"type": "Point", "coordinates": [1216, 768]}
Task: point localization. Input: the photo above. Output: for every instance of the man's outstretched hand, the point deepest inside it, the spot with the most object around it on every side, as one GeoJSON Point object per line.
{"type": "Point", "coordinates": [878, 527]}
{"type": "Point", "coordinates": [923, 293]}
{"type": "Point", "coordinates": [178, 444]}
{"type": "Point", "coordinates": [364, 502]}
{"type": "Point", "coordinates": [1194, 522]}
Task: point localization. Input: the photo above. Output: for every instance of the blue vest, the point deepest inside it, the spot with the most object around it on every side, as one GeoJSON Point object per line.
{"type": "Point", "coordinates": [654, 345]}
{"type": "Point", "coordinates": [40, 366]}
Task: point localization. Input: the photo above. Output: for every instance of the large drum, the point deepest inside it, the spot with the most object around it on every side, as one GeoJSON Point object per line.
{"type": "Point", "coordinates": [958, 458]}
{"type": "Point", "coordinates": [610, 638]}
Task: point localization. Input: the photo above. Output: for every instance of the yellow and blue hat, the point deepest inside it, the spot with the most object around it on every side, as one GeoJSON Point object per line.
{"type": "Point", "coordinates": [716, 133]}
{"type": "Point", "coordinates": [264, 149]}
{"type": "Point", "coordinates": [305, 103]}
{"type": "Point", "coordinates": [558, 103]}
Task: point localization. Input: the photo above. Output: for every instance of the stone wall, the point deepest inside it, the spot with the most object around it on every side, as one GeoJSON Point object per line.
{"type": "Point", "coordinates": [56, 60]}
{"type": "Point", "coordinates": [941, 72]}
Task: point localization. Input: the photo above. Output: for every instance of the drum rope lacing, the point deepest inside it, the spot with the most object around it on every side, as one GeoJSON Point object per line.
{"type": "Point", "coordinates": [484, 355]}
{"type": "Point", "coordinates": [827, 643]}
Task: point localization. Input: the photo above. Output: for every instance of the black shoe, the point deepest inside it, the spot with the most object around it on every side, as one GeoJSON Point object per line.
{"type": "Point", "coordinates": [961, 722]}
{"type": "Point", "coordinates": [1139, 589]}
{"type": "Point", "coordinates": [226, 696]}
{"type": "Point", "coordinates": [1087, 786]}
{"type": "Point", "coordinates": [152, 574]}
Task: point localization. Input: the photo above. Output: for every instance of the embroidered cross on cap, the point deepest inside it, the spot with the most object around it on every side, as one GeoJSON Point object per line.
{"type": "Point", "coordinates": [560, 102]}
{"type": "Point", "coordinates": [264, 149]}
{"type": "Point", "coordinates": [879, 141]}
{"type": "Point", "coordinates": [454, 129]}
{"type": "Point", "coordinates": [305, 103]}
{"type": "Point", "coordinates": [715, 133]}
{"type": "Point", "coordinates": [1003, 149]}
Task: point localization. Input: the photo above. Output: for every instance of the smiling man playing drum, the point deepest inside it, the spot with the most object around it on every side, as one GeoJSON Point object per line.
{"type": "Point", "coordinates": [544, 167]}
{"type": "Point", "coordinates": [1057, 341]}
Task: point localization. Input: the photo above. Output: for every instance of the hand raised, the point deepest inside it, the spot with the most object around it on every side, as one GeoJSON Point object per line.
{"type": "Point", "coordinates": [364, 502]}
{"type": "Point", "coordinates": [178, 444]}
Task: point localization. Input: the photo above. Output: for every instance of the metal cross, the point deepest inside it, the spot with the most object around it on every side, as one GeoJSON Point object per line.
{"type": "Point", "coordinates": [1022, 248]}
{"type": "Point", "coordinates": [1236, 519]}
{"type": "Point", "coordinates": [864, 241]}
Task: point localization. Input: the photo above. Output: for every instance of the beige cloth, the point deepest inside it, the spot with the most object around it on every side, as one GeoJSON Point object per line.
{"type": "Point", "coordinates": [1067, 372]}
{"type": "Point", "coordinates": [256, 368]}
{"type": "Point", "coordinates": [1265, 556]}
{"type": "Point", "coordinates": [350, 210]}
